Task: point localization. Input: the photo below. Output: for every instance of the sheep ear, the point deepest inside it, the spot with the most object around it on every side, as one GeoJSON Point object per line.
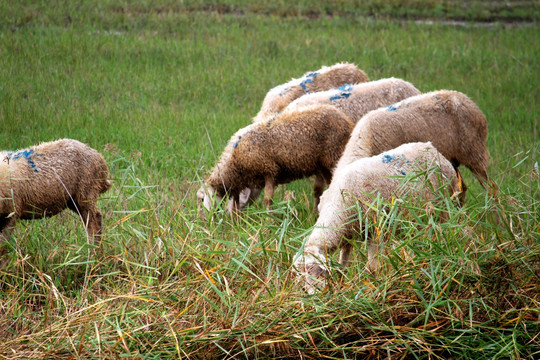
{"type": "Point", "coordinates": [207, 197]}
{"type": "Point", "coordinates": [207, 202]}
{"type": "Point", "coordinates": [244, 197]}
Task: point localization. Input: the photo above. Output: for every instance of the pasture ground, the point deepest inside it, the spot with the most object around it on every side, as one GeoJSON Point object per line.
{"type": "Point", "coordinates": [159, 87]}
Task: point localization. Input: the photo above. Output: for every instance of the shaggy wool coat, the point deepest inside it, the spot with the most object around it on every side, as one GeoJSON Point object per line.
{"type": "Point", "coordinates": [359, 99]}
{"type": "Point", "coordinates": [325, 78]}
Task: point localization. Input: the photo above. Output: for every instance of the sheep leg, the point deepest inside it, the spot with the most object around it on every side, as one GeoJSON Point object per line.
{"type": "Point", "coordinates": [318, 189]}
{"type": "Point", "coordinates": [373, 251]}
{"type": "Point", "coordinates": [248, 196]}
{"type": "Point", "coordinates": [255, 192]}
{"type": "Point", "coordinates": [344, 253]}
{"type": "Point", "coordinates": [327, 176]}
{"type": "Point", "coordinates": [494, 189]}
{"type": "Point", "coordinates": [268, 192]}
{"type": "Point", "coordinates": [244, 198]}
{"type": "Point", "coordinates": [6, 226]}
{"type": "Point", "coordinates": [234, 206]}
{"type": "Point", "coordinates": [322, 178]}
{"type": "Point", "coordinates": [462, 188]}
{"type": "Point", "coordinates": [92, 219]}
{"type": "Point", "coordinates": [97, 227]}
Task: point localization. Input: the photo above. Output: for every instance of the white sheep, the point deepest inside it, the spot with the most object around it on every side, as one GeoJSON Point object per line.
{"type": "Point", "coordinates": [323, 79]}
{"type": "Point", "coordinates": [391, 175]}
{"type": "Point", "coordinates": [449, 119]}
{"type": "Point", "coordinates": [290, 146]}
{"type": "Point", "coordinates": [43, 180]}
{"type": "Point", "coordinates": [359, 99]}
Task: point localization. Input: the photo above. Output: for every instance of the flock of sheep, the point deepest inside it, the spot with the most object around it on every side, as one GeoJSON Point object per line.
{"type": "Point", "coordinates": [358, 137]}
{"type": "Point", "coordinates": [361, 138]}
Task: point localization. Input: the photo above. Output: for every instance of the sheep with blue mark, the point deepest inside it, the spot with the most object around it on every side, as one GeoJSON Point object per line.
{"type": "Point", "coordinates": [205, 194]}
{"type": "Point", "coordinates": [291, 146]}
{"type": "Point", "coordinates": [411, 172]}
{"type": "Point", "coordinates": [359, 99]}
{"type": "Point", "coordinates": [43, 180]}
{"type": "Point", "coordinates": [328, 77]}
{"type": "Point", "coordinates": [449, 119]}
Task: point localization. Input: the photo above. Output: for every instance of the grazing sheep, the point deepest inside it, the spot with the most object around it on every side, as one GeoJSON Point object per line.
{"type": "Point", "coordinates": [449, 119]}
{"type": "Point", "coordinates": [359, 99]}
{"type": "Point", "coordinates": [324, 79]}
{"type": "Point", "coordinates": [288, 147]}
{"type": "Point", "coordinates": [43, 180]}
{"type": "Point", "coordinates": [354, 100]}
{"type": "Point", "coordinates": [410, 171]}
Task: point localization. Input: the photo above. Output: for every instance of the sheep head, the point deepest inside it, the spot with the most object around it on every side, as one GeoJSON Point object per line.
{"type": "Point", "coordinates": [310, 270]}
{"type": "Point", "coordinates": [207, 199]}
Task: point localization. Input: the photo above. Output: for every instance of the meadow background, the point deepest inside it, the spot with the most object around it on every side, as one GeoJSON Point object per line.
{"type": "Point", "coordinates": [158, 87]}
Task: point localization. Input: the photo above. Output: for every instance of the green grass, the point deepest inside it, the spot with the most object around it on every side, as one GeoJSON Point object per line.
{"type": "Point", "coordinates": [158, 89]}
{"type": "Point", "coordinates": [109, 12]}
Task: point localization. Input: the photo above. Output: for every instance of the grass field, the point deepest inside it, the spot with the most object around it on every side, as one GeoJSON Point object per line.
{"type": "Point", "coordinates": [159, 87]}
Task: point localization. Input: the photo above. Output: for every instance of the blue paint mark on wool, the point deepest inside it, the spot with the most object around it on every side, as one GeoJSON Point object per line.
{"type": "Point", "coordinates": [342, 95]}
{"type": "Point", "coordinates": [284, 91]}
{"type": "Point", "coordinates": [27, 154]}
{"type": "Point", "coordinates": [399, 162]}
{"type": "Point", "coordinates": [392, 108]}
{"type": "Point", "coordinates": [346, 87]}
{"type": "Point", "coordinates": [237, 141]}
{"type": "Point", "coordinates": [309, 80]}
{"type": "Point", "coordinates": [387, 158]}
{"type": "Point", "coordinates": [345, 92]}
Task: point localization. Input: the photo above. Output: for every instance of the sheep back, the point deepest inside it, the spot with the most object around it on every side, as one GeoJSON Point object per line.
{"type": "Point", "coordinates": [323, 79]}
{"type": "Point", "coordinates": [383, 175]}
{"type": "Point", "coordinates": [38, 181]}
{"type": "Point", "coordinates": [288, 147]}
{"type": "Point", "coordinates": [358, 99]}
{"type": "Point", "coordinates": [449, 119]}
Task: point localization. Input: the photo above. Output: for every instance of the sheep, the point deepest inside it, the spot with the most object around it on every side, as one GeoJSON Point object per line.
{"type": "Point", "coordinates": [358, 99]}
{"type": "Point", "coordinates": [449, 119]}
{"type": "Point", "coordinates": [396, 174]}
{"type": "Point", "coordinates": [354, 100]}
{"type": "Point", "coordinates": [43, 180]}
{"type": "Point", "coordinates": [290, 146]}
{"type": "Point", "coordinates": [323, 79]}
{"type": "Point", "coordinates": [247, 195]}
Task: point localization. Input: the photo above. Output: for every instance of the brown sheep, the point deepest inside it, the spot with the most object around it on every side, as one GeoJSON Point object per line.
{"type": "Point", "coordinates": [449, 119]}
{"type": "Point", "coordinates": [359, 99]}
{"type": "Point", "coordinates": [354, 100]}
{"type": "Point", "coordinates": [289, 147]}
{"type": "Point", "coordinates": [325, 78]}
{"type": "Point", "coordinates": [43, 180]}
